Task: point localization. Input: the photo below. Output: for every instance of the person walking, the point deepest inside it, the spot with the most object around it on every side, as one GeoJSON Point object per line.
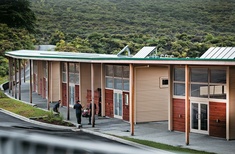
{"type": "Point", "coordinates": [78, 108]}
{"type": "Point", "coordinates": [56, 107]}
{"type": "Point", "coordinates": [90, 115]}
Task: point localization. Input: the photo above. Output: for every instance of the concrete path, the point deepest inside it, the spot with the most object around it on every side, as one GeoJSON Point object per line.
{"type": "Point", "coordinates": [152, 131]}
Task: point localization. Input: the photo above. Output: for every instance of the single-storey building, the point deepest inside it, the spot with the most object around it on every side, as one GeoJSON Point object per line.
{"type": "Point", "coordinates": [193, 94]}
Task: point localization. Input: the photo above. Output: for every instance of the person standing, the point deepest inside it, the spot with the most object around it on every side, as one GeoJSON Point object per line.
{"type": "Point", "coordinates": [78, 108]}
{"type": "Point", "coordinates": [56, 107]}
{"type": "Point", "coordinates": [90, 115]}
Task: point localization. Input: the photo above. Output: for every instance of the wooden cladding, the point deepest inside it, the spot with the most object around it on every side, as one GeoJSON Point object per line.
{"type": "Point", "coordinates": [64, 94]}
{"type": "Point", "coordinates": [109, 103]}
{"type": "Point", "coordinates": [97, 99]}
{"type": "Point", "coordinates": [77, 92]}
{"type": "Point", "coordinates": [179, 115]}
{"type": "Point", "coordinates": [217, 119]}
{"type": "Point", "coordinates": [125, 107]}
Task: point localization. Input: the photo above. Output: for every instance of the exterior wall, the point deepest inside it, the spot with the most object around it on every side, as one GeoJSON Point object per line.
{"type": "Point", "coordinates": [125, 107]}
{"type": "Point", "coordinates": [97, 74]}
{"type": "Point", "coordinates": [85, 82]}
{"type": "Point", "coordinates": [54, 81]}
{"type": "Point", "coordinates": [109, 103]}
{"type": "Point", "coordinates": [217, 119]}
{"type": "Point", "coordinates": [151, 100]}
{"type": "Point", "coordinates": [77, 93]}
{"type": "Point", "coordinates": [231, 103]}
{"type": "Point", "coordinates": [179, 115]}
{"type": "Point", "coordinates": [64, 94]}
{"type": "Point", "coordinates": [44, 85]}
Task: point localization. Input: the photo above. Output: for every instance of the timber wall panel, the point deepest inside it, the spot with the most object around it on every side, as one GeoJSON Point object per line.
{"type": "Point", "coordinates": [85, 81]}
{"type": "Point", "coordinates": [217, 111]}
{"type": "Point", "coordinates": [109, 103]}
{"type": "Point", "coordinates": [64, 94]}
{"type": "Point", "coordinates": [151, 100]}
{"type": "Point", "coordinates": [96, 99]}
{"type": "Point", "coordinates": [77, 92]}
{"type": "Point", "coordinates": [179, 115]}
{"type": "Point", "coordinates": [55, 75]}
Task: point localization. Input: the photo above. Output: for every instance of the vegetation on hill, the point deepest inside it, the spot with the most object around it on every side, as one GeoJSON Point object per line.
{"type": "Point", "coordinates": [184, 28]}
{"type": "Point", "coordinates": [16, 22]}
{"type": "Point", "coordinates": [17, 14]}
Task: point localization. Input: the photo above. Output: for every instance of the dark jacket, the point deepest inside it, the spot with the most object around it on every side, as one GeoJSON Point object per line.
{"type": "Point", "coordinates": [78, 108]}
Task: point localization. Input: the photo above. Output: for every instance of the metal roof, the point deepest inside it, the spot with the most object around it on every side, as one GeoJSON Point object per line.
{"type": "Point", "coordinates": [110, 58]}
{"type": "Point", "coordinates": [219, 53]}
{"type": "Point", "coordinates": [144, 52]}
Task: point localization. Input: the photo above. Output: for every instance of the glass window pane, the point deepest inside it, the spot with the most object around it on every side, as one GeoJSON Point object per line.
{"type": "Point", "coordinates": [64, 67]}
{"type": "Point", "coordinates": [64, 77]}
{"type": "Point", "coordinates": [118, 84]}
{"type": "Point", "coordinates": [126, 71]}
{"type": "Point", "coordinates": [199, 90]}
{"type": "Point", "coordinates": [109, 82]}
{"type": "Point", "coordinates": [109, 70]}
{"type": "Point", "coordinates": [179, 89]}
{"type": "Point", "coordinates": [76, 78]}
{"type": "Point", "coordinates": [71, 77]}
{"type": "Point", "coordinates": [117, 71]}
{"type": "Point", "coordinates": [199, 75]}
{"type": "Point", "coordinates": [76, 68]}
{"type": "Point", "coordinates": [71, 67]}
{"type": "Point", "coordinates": [218, 76]}
{"type": "Point", "coordinates": [179, 74]}
{"type": "Point", "coordinates": [126, 85]}
{"type": "Point", "coordinates": [218, 91]}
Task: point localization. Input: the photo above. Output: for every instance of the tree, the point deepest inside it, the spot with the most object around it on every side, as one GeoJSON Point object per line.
{"type": "Point", "coordinates": [17, 14]}
{"type": "Point", "coordinates": [12, 39]}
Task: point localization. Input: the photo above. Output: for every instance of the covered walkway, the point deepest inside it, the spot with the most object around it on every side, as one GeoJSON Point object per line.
{"type": "Point", "coordinates": [152, 131]}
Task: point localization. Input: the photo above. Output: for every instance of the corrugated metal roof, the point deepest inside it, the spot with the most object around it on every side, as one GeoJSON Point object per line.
{"type": "Point", "coordinates": [144, 52]}
{"type": "Point", "coordinates": [219, 53]}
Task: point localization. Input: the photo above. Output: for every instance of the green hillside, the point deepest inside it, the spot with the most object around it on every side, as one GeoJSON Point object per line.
{"type": "Point", "coordinates": [179, 27]}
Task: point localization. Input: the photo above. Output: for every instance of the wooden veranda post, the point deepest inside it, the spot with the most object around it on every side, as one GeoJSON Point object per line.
{"type": "Point", "coordinates": [15, 78]}
{"type": "Point", "coordinates": [48, 85]}
{"type": "Point", "coordinates": [67, 72]}
{"type": "Point", "coordinates": [187, 105]}
{"type": "Point", "coordinates": [30, 82]}
{"type": "Point", "coordinates": [10, 75]}
{"type": "Point", "coordinates": [132, 99]}
{"type": "Point", "coordinates": [19, 79]}
{"type": "Point", "coordinates": [92, 96]}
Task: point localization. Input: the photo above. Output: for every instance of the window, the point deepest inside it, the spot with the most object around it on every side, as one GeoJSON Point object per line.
{"type": "Point", "coordinates": [179, 89]}
{"type": "Point", "coordinates": [179, 79]}
{"type": "Point", "coordinates": [204, 82]}
{"type": "Point", "coordinates": [199, 75]}
{"type": "Point", "coordinates": [73, 73]}
{"type": "Point", "coordinates": [179, 74]}
{"type": "Point", "coordinates": [163, 82]}
{"type": "Point", "coordinates": [118, 84]}
{"type": "Point", "coordinates": [199, 90]}
{"type": "Point", "coordinates": [64, 76]}
{"type": "Point", "coordinates": [117, 77]}
{"type": "Point", "coordinates": [109, 70]}
{"type": "Point", "coordinates": [218, 76]}
{"type": "Point", "coordinates": [109, 82]}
